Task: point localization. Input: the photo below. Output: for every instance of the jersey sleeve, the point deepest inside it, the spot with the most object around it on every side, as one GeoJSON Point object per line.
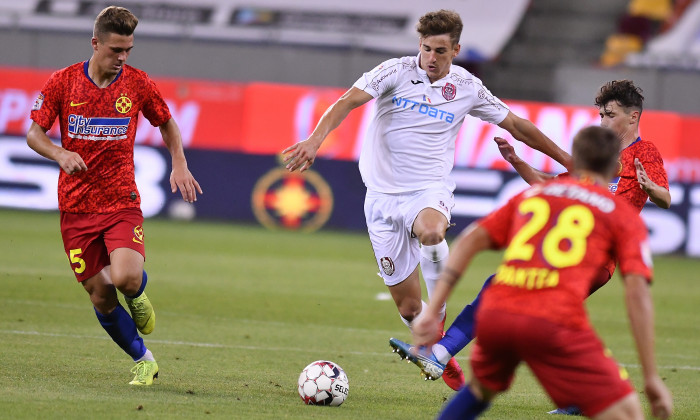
{"type": "Point", "coordinates": [154, 108]}
{"type": "Point", "coordinates": [48, 104]}
{"type": "Point", "coordinates": [653, 164]}
{"type": "Point", "coordinates": [632, 244]}
{"type": "Point", "coordinates": [487, 107]}
{"type": "Point", "coordinates": [497, 223]}
{"type": "Point", "coordinates": [380, 79]}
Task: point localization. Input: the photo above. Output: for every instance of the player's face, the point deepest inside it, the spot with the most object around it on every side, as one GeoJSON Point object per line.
{"type": "Point", "coordinates": [111, 52]}
{"type": "Point", "coordinates": [436, 55]}
{"type": "Point", "coordinates": [615, 117]}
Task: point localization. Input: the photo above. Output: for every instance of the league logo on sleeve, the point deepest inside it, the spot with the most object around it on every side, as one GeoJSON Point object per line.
{"type": "Point", "coordinates": [38, 103]}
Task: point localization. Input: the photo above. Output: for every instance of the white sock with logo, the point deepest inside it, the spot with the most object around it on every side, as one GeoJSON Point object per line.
{"type": "Point", "coordinates": [431, 260]}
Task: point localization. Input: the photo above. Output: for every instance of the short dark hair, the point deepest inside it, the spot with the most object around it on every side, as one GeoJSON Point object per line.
{"type": "Point", "coordinates": [116, 20]}
{"type": "Point", "coordinates": [596, 149]}
{"type": "Point", "coordinates": [624, 92]}
{"type": "Point", "coordinates": [441, 22]}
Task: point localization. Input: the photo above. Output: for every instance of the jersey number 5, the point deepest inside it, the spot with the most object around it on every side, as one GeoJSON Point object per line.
{"type": "Point", "coordinates": [75, 259]}
{"type": "Point", "coordinates": [573, 226]}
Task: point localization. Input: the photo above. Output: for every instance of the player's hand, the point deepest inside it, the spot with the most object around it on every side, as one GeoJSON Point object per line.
{"type": "Point", "coordinates": [181, 178]}
{"type": "Point", "coordinates": [300, 156]}
{"type": "Point", "coordinates": [659, 398]}
{"type": "Point", "coordinates": [71, 162]}
{"type": "Point", "coordinates": [507, 150]}
{"type": "Point", "coordinates": [645, 182]}
{"type": "Point", "coordinates": [426, 329]}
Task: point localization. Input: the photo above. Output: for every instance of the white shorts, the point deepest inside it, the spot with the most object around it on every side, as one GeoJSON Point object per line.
{"type": "Point", "coordinates": [390, 220]}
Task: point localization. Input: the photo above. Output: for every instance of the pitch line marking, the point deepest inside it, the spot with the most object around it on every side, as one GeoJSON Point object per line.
{"type": "Point", "coordinates": [239, 347]}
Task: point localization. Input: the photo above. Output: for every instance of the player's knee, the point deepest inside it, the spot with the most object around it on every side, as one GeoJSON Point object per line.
{"type": "Point", "coordinates": [127, 281]}
{"type": "Point", "coordinates": [432, 237]}
{"type": "Point", "coordinates": [104, 299]}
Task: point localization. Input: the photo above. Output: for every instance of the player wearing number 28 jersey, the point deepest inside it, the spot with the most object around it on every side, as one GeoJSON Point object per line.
{"type": "Point", "coordinates": [557, 237]}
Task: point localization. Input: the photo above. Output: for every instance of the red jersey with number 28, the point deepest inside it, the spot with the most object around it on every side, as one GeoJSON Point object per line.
{"type": "Point", "coordinates": [559, 235]}
{"type": "Point", "coordinates": [100, 125]}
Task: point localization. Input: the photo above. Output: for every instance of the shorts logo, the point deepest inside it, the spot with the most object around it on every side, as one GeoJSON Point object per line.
{"type": "Point", "coordinates": [138, 235]}
{"type": "Point", "coordinates": [387, 265]}
{"type": "Point", "coordinates": [37, 104]}
{"type": "Point", "coordinates": [123, 104]}
{"type": "Point", "coordinates": [449, 91]}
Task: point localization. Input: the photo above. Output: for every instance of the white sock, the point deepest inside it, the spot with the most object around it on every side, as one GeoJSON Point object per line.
{"type": "Point", "coordinates": [431, 259]}
{"type": "Point", "coordinates": [441, 353]}
{"type": "Point", "coordinates": [147, 356]}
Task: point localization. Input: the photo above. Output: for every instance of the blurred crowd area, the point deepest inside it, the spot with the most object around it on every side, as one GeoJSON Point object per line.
{"type": "Point", "coordinates": [534, 50]}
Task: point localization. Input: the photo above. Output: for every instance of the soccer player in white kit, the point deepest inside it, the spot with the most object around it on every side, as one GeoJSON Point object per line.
{"type": "Point", "coordinates": [408, 154]}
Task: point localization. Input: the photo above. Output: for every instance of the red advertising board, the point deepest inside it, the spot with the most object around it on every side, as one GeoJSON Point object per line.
{"type": "Point", "coordinates": [265, 118]}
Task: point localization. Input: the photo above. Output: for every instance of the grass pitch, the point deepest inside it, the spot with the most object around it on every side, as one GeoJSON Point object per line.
{"type": "Point", "coordinates": [242, 310]}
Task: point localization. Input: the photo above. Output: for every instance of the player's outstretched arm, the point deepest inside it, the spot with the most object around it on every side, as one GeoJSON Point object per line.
{"type": "Point", "coordinates": [526, 172]}
{"type": "Point", "coordinates": [641, 314]}
{"type": "Point", "coordinates": [180, 177]}
{"type": "Point", "coordinates": [302, 155]}
{"type": "Point", "coordinates": [470, 242]}
{"type": "Point", "coordinates": [70, 162]}
{"type": "Point", "coordinates": [657, 194]}
{"type": "Point", "coordinates": [526, 132]}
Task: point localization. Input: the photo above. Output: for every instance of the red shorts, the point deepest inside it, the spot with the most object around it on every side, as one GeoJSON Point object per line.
{"type": "Point", "coordinates": [572, 365]}
{"type": "Point", "coordinates": [89, 238]}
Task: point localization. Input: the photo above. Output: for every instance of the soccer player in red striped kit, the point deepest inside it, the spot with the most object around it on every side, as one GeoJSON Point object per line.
{"type": "Point", "coordinates": [97, 103]}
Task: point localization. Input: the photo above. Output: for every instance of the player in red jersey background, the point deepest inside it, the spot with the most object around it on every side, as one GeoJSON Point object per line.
{"type": "Point", "coordinates": [640, 175]}
{"type": "Point", "coordinates": [97, 103]}
{"type": "Point", "coordinates": [557, 236]}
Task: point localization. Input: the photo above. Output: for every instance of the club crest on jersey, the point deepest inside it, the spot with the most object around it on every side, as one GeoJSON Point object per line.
{"type": "Point", "coordinates": [138, 235]}
{"type": "Point", "coordinates": [38, 103]}
{"type": "Point", "coordinates": [449, 91]}
{"type": "Point", "coordinates": [387, 265]}
{"type": "Point", "coordinates": [123, 104]}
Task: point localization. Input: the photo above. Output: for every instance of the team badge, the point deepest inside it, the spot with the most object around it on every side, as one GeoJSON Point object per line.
{"type": "Point", "coordinates": [293, 201]}
{"type": "Point", "coordinates": [37, 104]}
{"type": "Point", "coordinates": [138, 235]}
{"type": "Point", "coordinates": [123, 104]}
{"type": "Point", "coordinates": [449, 91]}
{"type": "Point", "coordinates": [387, 265]}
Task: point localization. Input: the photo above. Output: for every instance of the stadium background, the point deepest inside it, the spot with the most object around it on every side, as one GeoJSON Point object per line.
{"type": "Point", "coordinates": [246, 79]}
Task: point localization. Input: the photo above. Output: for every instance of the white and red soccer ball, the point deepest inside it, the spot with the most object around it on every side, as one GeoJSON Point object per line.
{"type": "Point", "coordinates": [323, 383]}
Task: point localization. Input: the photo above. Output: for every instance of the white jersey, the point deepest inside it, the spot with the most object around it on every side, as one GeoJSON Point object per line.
{"type": "Point", "coordinates": [410, 142]}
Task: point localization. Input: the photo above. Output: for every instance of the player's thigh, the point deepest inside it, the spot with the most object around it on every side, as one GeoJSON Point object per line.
{"type": "Point", "coordinates": [396, 253]}
{"type": "Point", "coordinates": [83, 244]}
{"type": "Point", "coordinates": [126, 265]}
{"type": "Point", "coordinates": [428, 213]}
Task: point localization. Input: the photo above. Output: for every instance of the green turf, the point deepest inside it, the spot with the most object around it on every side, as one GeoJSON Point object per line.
{"type": "Point", "coordinates": [242, 310]}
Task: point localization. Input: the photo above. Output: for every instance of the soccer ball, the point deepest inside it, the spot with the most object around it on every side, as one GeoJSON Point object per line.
{"type": "Point", "coordinates": [323, 383]}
